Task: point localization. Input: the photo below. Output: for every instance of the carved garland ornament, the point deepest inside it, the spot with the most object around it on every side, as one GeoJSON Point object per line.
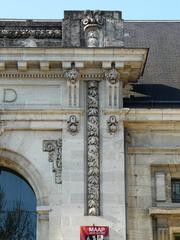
{"type": "Point", "coordinates": [93, 174]}
{"type": "Point", "coordinates": [54, 147]}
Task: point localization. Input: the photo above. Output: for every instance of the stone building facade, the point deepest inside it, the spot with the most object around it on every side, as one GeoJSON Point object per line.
{"type": "Point", "coordinates": [90, 118]}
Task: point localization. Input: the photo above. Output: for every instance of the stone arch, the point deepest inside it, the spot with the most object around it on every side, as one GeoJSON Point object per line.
{"type": "Point", "coordinates": [18, 163]}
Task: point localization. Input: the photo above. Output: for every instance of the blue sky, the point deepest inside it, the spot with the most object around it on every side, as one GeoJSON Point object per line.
{"type": "Point", "coordinates": [53, 9]}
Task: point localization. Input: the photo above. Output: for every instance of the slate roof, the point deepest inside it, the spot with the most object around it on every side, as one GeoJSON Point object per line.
{"type": "Point", "coordinates": [161, 79]}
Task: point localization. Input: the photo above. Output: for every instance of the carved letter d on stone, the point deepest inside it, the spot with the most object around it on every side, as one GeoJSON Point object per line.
{"type": "Point", "coordinates": [10, 95]}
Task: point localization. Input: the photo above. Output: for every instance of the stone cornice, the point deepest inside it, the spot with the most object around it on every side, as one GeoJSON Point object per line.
{"type": "Point", "coordinates": [164, 211]}
{"type": "Point", "coordinates": [135, 115]}
{"type": "Point", "coordinates": [91, 63]}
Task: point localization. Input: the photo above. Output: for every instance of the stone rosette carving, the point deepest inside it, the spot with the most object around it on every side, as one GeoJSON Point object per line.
{"type": "Point", "coordinates": [112, 123]}
{"type": "Point", "coordinates": [35, 33]}
{"type": "Point", "coordinates": [93, 162]}
{"type": "Point", "coordinates": [72, 75]}
{"type": "Point", "coordinates": [112, 76]}
{"type": "Point", "coordinates": [73, 124]}
{"type": "Point", "coordinates": [92, 18]}
{"type": "Point", "coordinates": [54, 148]}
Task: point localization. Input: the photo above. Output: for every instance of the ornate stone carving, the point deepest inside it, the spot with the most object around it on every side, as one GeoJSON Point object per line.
{"type": "Point", "coordinates": [112, 124]}
{"type": "Point", "coordinates": [54, 147]}
{"type": "Point", "coordinates": [72, 75]}
{"type": "Point", "coordinates": [73, 87]}
{"type": "Point", "coordinates": [112, 76]}
{"type": "Point", "coordinates": [35, 33]}
{"type": "Point", "coordinates": [93, 169]}
{"type": "Point", "coordinates": [92, 21]}
{"type": "Point", "coordinates": [73, 124]}
{"type": "Point", "coordinates": [92, 38]}
{"type": "Point", "coordinates": [92, 18]}
{"type": "Point", "coordinates": [112, 80]}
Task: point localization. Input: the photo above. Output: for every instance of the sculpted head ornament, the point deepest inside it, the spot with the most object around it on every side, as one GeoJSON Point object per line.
{"type": "Point", "coordinates": [112, 76]}
{"type": "Point", "coordinates": [72, 75]}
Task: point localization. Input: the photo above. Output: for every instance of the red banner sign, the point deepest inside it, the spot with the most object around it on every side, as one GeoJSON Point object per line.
{"type": "Point", "coordinates": [94, 233]}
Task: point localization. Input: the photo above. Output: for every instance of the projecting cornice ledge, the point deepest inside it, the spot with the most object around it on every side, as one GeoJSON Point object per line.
{"type": "Point", "coordinates": [164, 211]}
{"type": "Point", "coordinates": [90, 62]}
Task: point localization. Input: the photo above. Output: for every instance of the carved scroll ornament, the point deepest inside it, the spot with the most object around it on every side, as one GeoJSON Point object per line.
{"type": "Point", "coordinates": [93, 18]}
{"type": "Point", "coordinates": [93, 170]}
{"type": "Point", "coordinates": [54, 147]}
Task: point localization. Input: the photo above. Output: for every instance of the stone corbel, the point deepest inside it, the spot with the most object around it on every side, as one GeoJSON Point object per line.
{"type": "Point", "coordinates": [73, 124]}
{"type": "Point", "coordinates": [72, 77]}
{"type": "Point", "coordinates": [112, 124]}
{"type": "Point", "coordinates": [113, 88]}
{"type": "Point", "coordinates": [54, 147]}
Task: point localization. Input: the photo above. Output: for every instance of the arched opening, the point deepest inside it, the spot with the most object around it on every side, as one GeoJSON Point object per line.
{"type": "Point", "coordinates": [17, 207]}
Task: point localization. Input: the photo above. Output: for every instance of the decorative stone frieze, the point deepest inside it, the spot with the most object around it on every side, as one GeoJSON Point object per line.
{"type": "Point", "coordinates": [112, 124]}
{"type": "Point", "coordinates": [26, 33]}
{"type": "Point", "coordinates": [73, 124]}
{"type": "Point", "coordinates": [73, 87]}
{"type": "Point", "coordinates": [54, 147]}
{"type": "Point", "coordinates": [93, 158]}
{"type": "Point", "coordinates": [113, 92]}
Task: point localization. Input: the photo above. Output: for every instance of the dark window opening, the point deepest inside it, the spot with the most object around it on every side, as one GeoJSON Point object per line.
{"type": "Point", "coordinates": [17, 207]}
{"type": "Point", "coordinates": [175, 190]}
{"type": "Point", "coordinates": [177, 236]}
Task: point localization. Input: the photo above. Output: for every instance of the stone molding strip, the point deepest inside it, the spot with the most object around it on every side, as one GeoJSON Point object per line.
{"type": "Point", "coordinates": [154, 150]}
{"type": "Point", "coordinates": [60, 75]}
{"type": "Point", "coordinates": [164, 211]}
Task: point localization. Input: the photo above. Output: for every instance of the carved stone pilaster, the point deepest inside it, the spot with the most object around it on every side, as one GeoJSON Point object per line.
{"type": "Point", "coordinates": [112, 124]}
{"type": "Point", "coordinates": [93, 159]}
{"type": "Point", "coordinates": [73, 124]}
{"type": "Point", "coordinates": [72, 77]}
{"type": "Point", "coordinates": [54, 147]}
{"type": "Point", "coordinates": [113, 85]}
{"type": "Point", "coordinates": [92, 22]}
